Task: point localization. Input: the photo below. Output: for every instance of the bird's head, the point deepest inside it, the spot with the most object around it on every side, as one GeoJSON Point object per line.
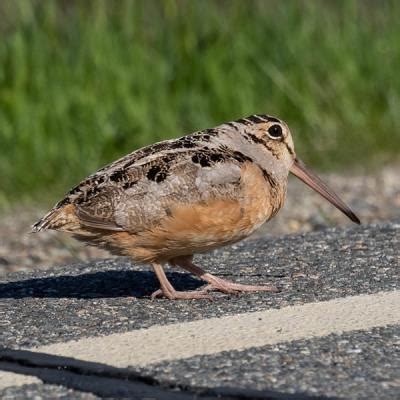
{"type": "Point", "coordinates": [274, 136]}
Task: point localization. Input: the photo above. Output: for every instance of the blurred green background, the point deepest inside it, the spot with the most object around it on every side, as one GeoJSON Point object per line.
{"type": "Point", "coordinates": [84, 82]}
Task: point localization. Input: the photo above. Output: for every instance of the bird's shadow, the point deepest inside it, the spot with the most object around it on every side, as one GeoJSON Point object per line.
{"type": "Point", "coordinates": [114, 283]}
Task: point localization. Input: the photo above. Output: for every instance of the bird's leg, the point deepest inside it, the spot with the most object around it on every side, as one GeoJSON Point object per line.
{"type": "Point", "coordinates": [216, 283]}
{"type": "Point", "coordinates": [168, 290]}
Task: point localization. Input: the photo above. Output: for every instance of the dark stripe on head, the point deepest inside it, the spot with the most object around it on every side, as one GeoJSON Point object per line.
{"type": "Point", "coordinates": [256, 119]}
{"type": "Point", "coordinates": [232, 125]}
{"type": "Point", "coordinates": [271, 119]}
{"type": "Point", "coordinates": [255, 139]}
{"type": "Point", "coordinates": [244, 121]}
{"type": "Point", "coordinates": [290, 150]}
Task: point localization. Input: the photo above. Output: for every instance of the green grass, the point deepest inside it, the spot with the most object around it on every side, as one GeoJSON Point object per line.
{"type": "Point", "coordinates": [84, 82]}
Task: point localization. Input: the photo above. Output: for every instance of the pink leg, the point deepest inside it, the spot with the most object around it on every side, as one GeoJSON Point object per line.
{"type": "Point", "coordinates": [216, 283]}
{"type": "Point", "coordinates": [169, 292]}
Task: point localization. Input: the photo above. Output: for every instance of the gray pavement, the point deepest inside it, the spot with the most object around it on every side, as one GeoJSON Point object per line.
{"type": "Point", "coordinates": [44, 392]}
{"type": "Point", "coordinates": [361, 364]}
{"type": "Point", "coordinates": [110, 296]}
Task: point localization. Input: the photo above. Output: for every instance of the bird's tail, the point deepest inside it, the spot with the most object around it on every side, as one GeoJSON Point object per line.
{"type": "Point", "coordinates": [59, 218]}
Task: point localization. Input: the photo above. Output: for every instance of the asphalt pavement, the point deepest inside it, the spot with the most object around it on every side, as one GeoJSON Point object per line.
{"type": "Point", "coordinates": [333, 330]}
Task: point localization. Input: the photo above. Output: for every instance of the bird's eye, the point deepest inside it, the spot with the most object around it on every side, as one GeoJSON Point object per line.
{"type": "Point", "coordinates": [275, 132]}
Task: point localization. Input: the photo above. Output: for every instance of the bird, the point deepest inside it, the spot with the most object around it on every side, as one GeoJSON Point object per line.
{"type": "Point", "coordinates": [166, 202]}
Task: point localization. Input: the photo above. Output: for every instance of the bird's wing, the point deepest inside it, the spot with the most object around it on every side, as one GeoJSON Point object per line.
{"type": "Point", "coordinates": [137, 197]}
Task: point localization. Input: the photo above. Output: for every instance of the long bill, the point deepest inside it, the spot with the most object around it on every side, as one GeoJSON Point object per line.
{"type": "Point", "coordinates": [309, 178]}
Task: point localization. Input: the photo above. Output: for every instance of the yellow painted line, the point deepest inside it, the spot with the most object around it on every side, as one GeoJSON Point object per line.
{"type": "Point", "coordinates": [214, 335]}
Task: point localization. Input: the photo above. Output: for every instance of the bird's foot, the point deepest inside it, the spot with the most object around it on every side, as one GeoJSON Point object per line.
{"type": "Point", "coordinates": [228, 287]}
{"type": "Point", "coordinates": [215, 283]}
{"type": "Point", "coordinates": [181, 295]}
{"type": "Point", "coordinates": [168, 291]}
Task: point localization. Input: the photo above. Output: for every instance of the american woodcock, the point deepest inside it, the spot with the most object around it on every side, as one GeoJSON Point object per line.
{"type": "Point", "coordinates": [168, 201]}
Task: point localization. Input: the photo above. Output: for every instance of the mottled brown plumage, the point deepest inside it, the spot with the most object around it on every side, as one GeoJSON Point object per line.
{"type": "Point", "coordinates": [165, 202]}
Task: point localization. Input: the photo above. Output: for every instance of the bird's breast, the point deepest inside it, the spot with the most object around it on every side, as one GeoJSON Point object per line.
{"type": "Point", "coordinates": [203, 226]}
{"type": "Point", "coordinates": [262, 195]}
